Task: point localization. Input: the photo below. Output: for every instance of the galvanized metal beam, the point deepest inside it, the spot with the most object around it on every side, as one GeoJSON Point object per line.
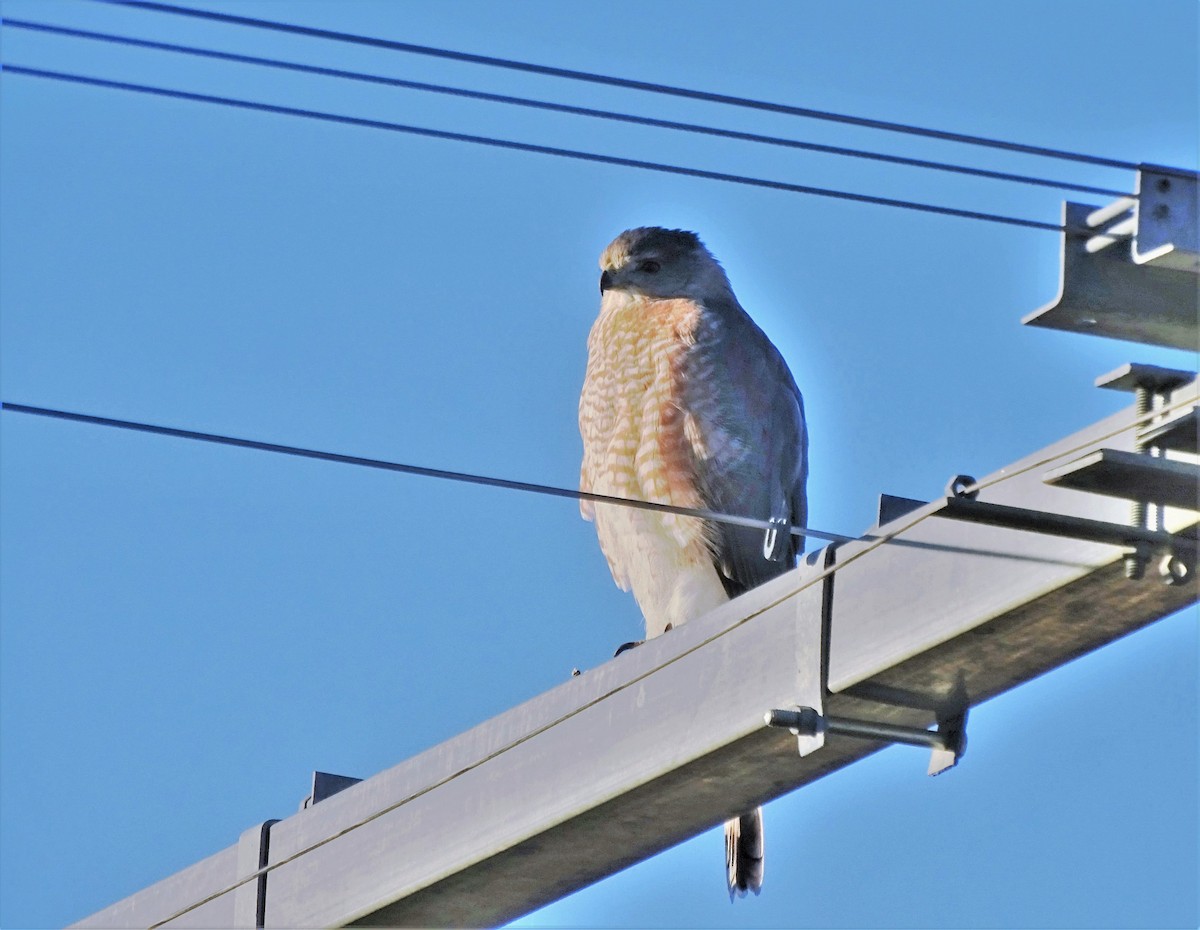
{"type": "Point", "coordinates": [920, 617]}
{"type": "Point", "coordinates": [1130, 269]}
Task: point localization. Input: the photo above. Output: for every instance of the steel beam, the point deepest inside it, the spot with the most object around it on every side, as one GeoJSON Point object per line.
{"type": "Point", "coordinates": [923, 615]}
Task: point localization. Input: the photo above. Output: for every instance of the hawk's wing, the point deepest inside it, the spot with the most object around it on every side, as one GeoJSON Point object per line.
{"type": "Point", "coordinates": [749, 442]}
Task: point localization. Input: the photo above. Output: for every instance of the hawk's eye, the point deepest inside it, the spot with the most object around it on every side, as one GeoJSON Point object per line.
{"type": "Point", "coordinates": [649, 266]}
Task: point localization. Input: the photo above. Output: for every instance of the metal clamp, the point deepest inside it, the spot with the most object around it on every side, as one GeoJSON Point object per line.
{"type": "Point", "coordinates": [948, 741]}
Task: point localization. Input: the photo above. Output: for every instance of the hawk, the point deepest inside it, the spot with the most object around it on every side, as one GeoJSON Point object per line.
{"type": "Point", "coordinates": [686, 402]}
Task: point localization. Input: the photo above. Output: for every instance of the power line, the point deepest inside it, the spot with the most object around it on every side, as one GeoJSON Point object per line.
{"type": "Point", "coordinates": [420, 470]}
{"type": "Point", "coordinates": [557, 107]}
{"type": "Point", "coordinates": [534, 148]}
{"type": "Point", "coordinates": [533, 487]}
{"type": "Point", "coordinates": [613, 81]}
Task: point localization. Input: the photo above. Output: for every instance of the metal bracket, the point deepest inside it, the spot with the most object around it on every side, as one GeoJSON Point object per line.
{"type": "Point", "coordinates": [948, 741]}
{"type": "Point", "coordinates": [1129, 269]}
{"type": "Point", "coordinates": [892, 507]}
{"type": "Point", "coordinates": [326, 785]}
{"type": "Point", "coordinates": [808, 722]}
{"type": "Point", "coordinates": [1167, 218]}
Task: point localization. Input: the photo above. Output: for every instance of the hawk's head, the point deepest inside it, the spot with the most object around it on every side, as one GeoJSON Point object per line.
{"type": "Point", "coordinates": [661, 263]}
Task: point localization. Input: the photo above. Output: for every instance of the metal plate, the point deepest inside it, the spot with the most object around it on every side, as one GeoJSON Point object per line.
{"type": "Point", "coordinates": [1132, 476]}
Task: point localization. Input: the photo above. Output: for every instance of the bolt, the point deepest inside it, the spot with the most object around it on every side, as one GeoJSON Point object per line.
{"type": "Point", "coordinates": [1135, 562]}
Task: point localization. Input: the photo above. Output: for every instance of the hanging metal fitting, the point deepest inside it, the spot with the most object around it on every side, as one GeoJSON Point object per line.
{"type": "Point", "coordinates": [948, 741]}
{"type": "Point", "coordinates": [772, 550]}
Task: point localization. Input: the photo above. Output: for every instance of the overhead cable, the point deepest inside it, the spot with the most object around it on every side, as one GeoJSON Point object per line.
{"type": "Point", "coordinates": [420, 470]}
{"type": "Point", "coordinates": [613, 81]}
{"type": "Point", "coordinates": [538, 149]}
{"type": "Point", "coordinates": [556, 107]}
{"type": "Point", "coordinates": [545, 489]}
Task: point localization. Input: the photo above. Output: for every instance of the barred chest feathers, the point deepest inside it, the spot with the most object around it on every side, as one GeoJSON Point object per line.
{"type": "Point", "coordinates": [641, 437]}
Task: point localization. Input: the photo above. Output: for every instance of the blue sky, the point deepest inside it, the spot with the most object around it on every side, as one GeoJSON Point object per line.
{"type": "Point", "coordinates": [188, 631]}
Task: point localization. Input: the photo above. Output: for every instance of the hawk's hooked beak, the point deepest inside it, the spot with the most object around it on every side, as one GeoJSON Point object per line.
{"type": "Point", "coordinates": [606, 281]}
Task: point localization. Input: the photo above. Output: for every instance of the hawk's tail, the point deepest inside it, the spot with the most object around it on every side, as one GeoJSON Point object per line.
{"type": "Point", "coordinates": [744, 853]}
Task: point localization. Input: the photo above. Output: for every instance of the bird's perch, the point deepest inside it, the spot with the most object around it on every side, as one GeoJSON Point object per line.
{"type": "Point", "coordinates": [669, 739]}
